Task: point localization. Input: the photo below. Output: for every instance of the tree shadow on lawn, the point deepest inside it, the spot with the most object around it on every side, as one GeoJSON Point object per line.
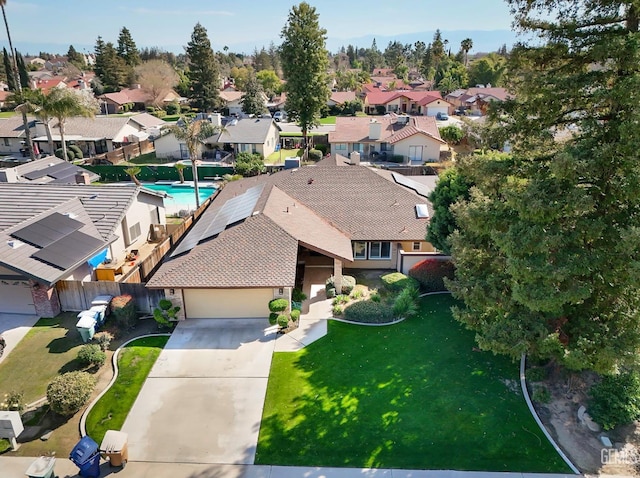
{"type": "Point", "coordinates": [414, 395]}
{"type": "Point", "coordinates": [71, 337]}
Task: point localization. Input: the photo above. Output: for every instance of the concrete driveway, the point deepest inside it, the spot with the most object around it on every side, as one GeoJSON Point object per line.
{"type": "Point", "coordinates": [203, 400]}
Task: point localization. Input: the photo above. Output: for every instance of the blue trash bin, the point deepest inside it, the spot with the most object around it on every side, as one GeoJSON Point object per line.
{"type": "Point", "coordinates": [86, 456]}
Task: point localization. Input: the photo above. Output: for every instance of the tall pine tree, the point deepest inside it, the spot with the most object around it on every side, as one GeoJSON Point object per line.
{"type": "Point", "coordinates": [253, 99]}
{"type": "Point", "coordinates": [8, 67]}
{"type": "Point", "coordinates": [305, 62]}
{"type": "Point", "coordinates": [23, 76]}
{"type": "Point", "coordinates": [127, 48]}
{"type": "Point", "coordinates": [203, 72]}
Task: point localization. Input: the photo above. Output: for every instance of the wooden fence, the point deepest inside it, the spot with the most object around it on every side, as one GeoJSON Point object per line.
{"type": "Point", "coordinates": [132, 150]}
{"type": "Point", "coordinates": [77, 295]}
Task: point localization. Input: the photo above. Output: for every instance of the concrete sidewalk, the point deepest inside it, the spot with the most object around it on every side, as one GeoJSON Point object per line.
{"type": "Point", "coordinates": [15, 468]}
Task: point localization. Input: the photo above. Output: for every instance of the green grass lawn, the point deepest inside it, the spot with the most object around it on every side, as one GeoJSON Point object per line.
{"type": "Point", "coordinates": [134, 363]}
{"type": "Point", "coordinates": [7, 114]}
{"type": "Point", "coordinates": [280, 156]}
{"type": "Point", "coordinates": [328, 120]}
{"type": "Point", "coordinates": [48, 349]}
{"type": "Point", "coordinates": [414, 395]}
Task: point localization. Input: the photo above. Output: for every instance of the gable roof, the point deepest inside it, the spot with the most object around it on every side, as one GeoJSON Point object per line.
{"type": "Point", "coordinates": [500, 94]}
{"type": "Point", "coordinates": [145, 120]}
{"type": "Point", "coordinates": [49, 170]}
{"type": "Point", "coordinates": [340, 97]}
{"type": "Point", "coordinates": [230, 96]}
{"type": "Point", "coordinates": [350, 129]}
{"type": "Point", "coordinates": [128, 95]}
{"type": "Point", "coordinates": [378, 97]}
{"type": "Point", "coordinates": [100, 127]}
{"type": "Point", "coordinates": [245, 130]}
{"type": "Point", "coordinates": [13, 127]}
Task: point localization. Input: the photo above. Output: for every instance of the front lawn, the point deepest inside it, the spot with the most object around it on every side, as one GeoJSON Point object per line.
{"type": "Point", "coordinates": [134, 364]}
{"type": "Point", "coordinates": [48, 349]}
{"type": "Point", "coordinates": [328, 120]}
{"type": "Point", "coordinates": [416, 395]}
{"type": "Point", "coordinates": [280, 155]}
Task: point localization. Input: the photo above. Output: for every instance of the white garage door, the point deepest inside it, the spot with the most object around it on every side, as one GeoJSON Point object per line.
{"type": "Point", "coordinates": [434, 110]}
{"type": "Point", "coordinates": [15, 297]}
{"type": "Point", "coordinates": [227, 303]}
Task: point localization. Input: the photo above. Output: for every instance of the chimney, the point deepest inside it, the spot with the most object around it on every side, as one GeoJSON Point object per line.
{"type": "Point", "coordinates": [82, 178]}
{"type": "Point", "coordinates": [8, 175]}
{"type": "Point", "coordinates": [375, 130]}
{"type": "Point", "coordinates": [216, 119]}
{"type": "Point", "coordinates": [355, 158]}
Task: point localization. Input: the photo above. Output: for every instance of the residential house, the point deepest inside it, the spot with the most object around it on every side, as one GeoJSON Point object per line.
{"type": "Point", "coordinates": [414, 138]}
{"type": "Point", "coordinates": [134, 99]}
{"type": "Point", "coordinates": [46, 85]}
{"type": "Point", "coordinates": [476, 100]}
{"type": "Point", "coordinates": [259, 234]}
{"type": "Point", "coordinates": [252, 135]}
{"type": "Point", "coordinates": [12, 136]}
{"type": "Point", "coordinates": [39, 62]}
{"type": "Point", "coordinates": [56, 232]}
{"type": "Point", "coordinates": [4, 95]}
{"type": "Point", "coordinates": [50, 169]}
{"type": "Point", "coordinates": [427, 103]}
{"type": "Point", "coordinates": [339, 98]}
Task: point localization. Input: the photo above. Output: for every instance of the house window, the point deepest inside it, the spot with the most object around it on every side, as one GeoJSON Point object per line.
{"type": "Point", "coordinates": [134, 233]}
{"type": "Point", "coordinates": [359, 250]}
{"type": "Point", "coordinates": [359, 147]}
{"type": "Point", "coordinates": [379, 250]}
{"type": "Point", "coordinates": [184, 152]}
{"type": "Point", "coordinates": [416, 246]}
{"type": "Point", "coordinates": [7, 142]}
{"type": "Point", "coordinates": [340, 146]}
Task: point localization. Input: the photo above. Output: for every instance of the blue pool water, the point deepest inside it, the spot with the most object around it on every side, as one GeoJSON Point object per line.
{"type": "Point", "coordinates": [182, 197]}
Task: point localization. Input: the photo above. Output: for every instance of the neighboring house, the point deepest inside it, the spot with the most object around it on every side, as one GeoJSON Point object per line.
{"type": "Point", "coordinates": [4, 104]}
{"type": "Point", "coordinates": [36, 61]}
{"type": "Point", "coordinates": [12, 135]}
{"type": "Point", "coordinates": [477, 100]}
{"type": "Point", "coordinates": [92, 135]}
{"type": "Point", "coordinates": [55, 232]}
{"type": "Point", "coordinates": [134, 99]}
{"type": "Point", "coordinates": [426, 103]}
{"type": "Point", "coordinates": [149, 124]}
{"type": "Point", "coordinates": [233, 101]}
{"type": "Point", "coordinates": [277, 103]}
{"type": "Point", "coordinates": [415, 138]}
{"type": "Point", "coordinates": [252, 135]}
{"type": "Point", "coordinates": [254, 241]}
{"type": "Point", "coordinates": [46, 85]}
{"type": "Point", "coordinates": [338, 98]}
{"type": "Point", "coordinates": [47, 170]}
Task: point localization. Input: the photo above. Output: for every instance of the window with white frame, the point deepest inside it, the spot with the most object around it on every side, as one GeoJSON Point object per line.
{"type": "Point", "coordinates": [379, 250]}
{"type": "Point", "coordinates": [134, 232]}
{"type": "Point", "coordinates": [359, 250]}
{"type": "Point", "coordinates": [340, 146]}
{"type": "Point", "coordinates": [416, 246]}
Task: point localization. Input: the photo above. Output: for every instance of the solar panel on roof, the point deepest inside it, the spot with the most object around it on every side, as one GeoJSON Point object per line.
{"type": "Point", "coordinates": [48, 230]}
{"type": "Point", "coordinates": [69, 250]}
{"type": "Point", "coordinates": [35, 174]}
{"type": "Point", "coordinates": [216, 226]}
{"type": "Point", "coordinates": [192, 238]}
{"type": "Point", "coordinates": [419, 188]}
{"type": "Point", "coordinates": [68, 170]}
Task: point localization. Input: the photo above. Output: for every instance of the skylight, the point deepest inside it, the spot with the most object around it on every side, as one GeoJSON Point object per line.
{"type": "Point", "coordinates": [422, 211]}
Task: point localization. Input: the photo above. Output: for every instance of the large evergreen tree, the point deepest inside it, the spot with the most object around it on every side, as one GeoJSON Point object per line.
{"type": "Point", "coordinates": [23, 75]}
{"type": "Point", "coordinates": [8, 67]}
{"type": "Point", "coordinates": [253, 99]}
{"type": "Point", "coordinates": [127, 48]}
{"type": "Point", "coordinates": [203, 72]}
{"type": "Point", "coordinates": [548, 253]}
{"type": "Point", "coordinates": [305, 61]}
{"type": "Point", "coordinates": [110, 68]}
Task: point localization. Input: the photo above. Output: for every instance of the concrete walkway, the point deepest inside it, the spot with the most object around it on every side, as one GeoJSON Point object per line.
{"type": "Point", "coordinates": [15, 468]}
{"type": "Point", "coordinates": [203, 399]}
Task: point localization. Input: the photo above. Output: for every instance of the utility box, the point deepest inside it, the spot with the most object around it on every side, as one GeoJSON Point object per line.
{"type": "Point", "coordinates": [10, 426]}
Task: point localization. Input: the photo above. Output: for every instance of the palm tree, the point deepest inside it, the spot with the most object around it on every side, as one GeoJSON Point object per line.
{"type": "Point", "coordinates": [133, 171]}
{"type": "Point", "coordinates": [35, 102]}
{"type": "Point", "coordinates": [466, 45]}
{"type": "Point", "coordinates": [22, 107]}
{"type": "Point", "coordinates": [63, 103]}
{"type": "Point", "coordinates": [193, 133]}
{"type": "Point", "coordinates": [180, 167]}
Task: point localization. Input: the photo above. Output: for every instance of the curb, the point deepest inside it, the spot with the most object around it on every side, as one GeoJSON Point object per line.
{"type": "Point", "coordinates": [114, 364]}
{"type": "Point", "coordinates": [525, 392]}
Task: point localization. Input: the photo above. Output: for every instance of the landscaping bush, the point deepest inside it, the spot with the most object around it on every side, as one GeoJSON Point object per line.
{"type": "Point", "coordinates": [397, 281]}
{"type": "Point", "coordinates": [249, 164]}
{"type": "Point", "coordinates": [150, 109]}
{"type": "Point", "coordinates": [430, 274]}
{"type": "Point", "coordinates": [367, 311]}
{"type": "Point", "coordinates": [77, 152]}
{"type": "Point", "coordinates": [616, 400]}
{"type": "Point", "coordinates": [406, 303]}
{"type": "Point", "coordinates": [340, 299]}
{"type": "Point", "coordinates": [91, 355]}
{"type": "Point", "coordinates": [13, 401]}
{"type": "Point", "coordinates": [165, 313]}
{"type": "Point", "coordinates": [537, 374]}
{"type": "Point", "coordinates": [278, 305]}
{"type": "Point", "coordinates": [273, 318]}
{"type": "Point", "coordinates": [103, 339]}
{"type": "Point", "coordinates": [331, 292]}
{"type": "Point", "coordinates": [541, 395]}
{"type": "Point", "coordinates": [315, 155]}
{"type": "Point", "coordinates": [356, 294]}
{"type": "Point", "coordinates": [298, 296]}
{"type": "Point", "coordinates": [451, 134]}
{"type": "Point", "coordinates": [348, 283]}
{"type": "Point", "coordinates": [68, 392]}
{"type": "Point", "coordinates": [336, 310]}
{"type": "Point", "coordinates": [124, 311]}
{"type": "Point", "coordinates": [375, 297]}
{"type": "Point", "coordinates": [283, 320]}
{"type": "Point", "coordinates": [295, 315]}
{"type": "Point", "coordinates": [185, 109]}
{"type": "Point", "coordinates": [396, 158]}
{"type": "Point", "coordinates": [159, 113]}
{"type": "Point", "coordinates": [70, 154]}
{"type": "Point", "coordinates": [323, 148]}
{"type": "Point", "coordinates": [381, 109]}
{"type": "Point", "coordinates": [296, 305]}
{"type": "Point", "coordinates": [173, 108]}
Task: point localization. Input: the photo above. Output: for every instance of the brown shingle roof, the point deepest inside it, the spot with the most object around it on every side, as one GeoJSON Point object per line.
{"type": "Point", "coordinates": [351, 129]}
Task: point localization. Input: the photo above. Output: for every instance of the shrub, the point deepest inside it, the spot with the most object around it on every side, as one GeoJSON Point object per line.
{"type": "Point", "coordinates": [396, 158]}
{"type": "Point", "coordinates": [375, 297]}
{"type": "Point", "coordinates": [368, 312]}
{"type": "Point", "coordinates": [430, 274]}
{"type": "Point", "coordinates": [67, 393]}
{"type": "Point", "coordinates": [295, 315]}
{"type": "Point", "coordinates": [249, 164]}
{"type": "Point", "coordinates": [336, 310]}
{"type": "Point", "coordinates": [150, 109]}
{"type": "Point", "coordinates": [451, 134]}
{"type": "Point", "coordinates": [315, 155]}
{"type": "Point", "coordinates": [77, 152]}
{"type": "Point", "coordinates": [340, 299]}
{"type": "Point", "coordinates": [298, 296]}
{"type": "Point", "coordinates": [13, 401]}
{"type": "Point", "coordinates": [406, 303]}
{"type": "Point", "coordinates": [331, 292]}
{"type": "Point", "coordinates": [159, 113]}
{"type": "Point", "coordinates": [124, 311]}
{"type": "Point", "coordinates": [283, 320]}
{"type": "Point", "coordinates": [296, 305]}
{"type": "Point", "coordinates": [348, 283]}
{"type": "Point", "coordinates": [103, 339]}
{"type": "Point", "coordinates": [356, 294]}
{"type": "Point", "coordinates": [273, 318]}
{"type": "Point", "coordinates": [537, 374]}
{"type": "Point", "coordinates": [381, 109]}
{"type": "Point", "coordinates": [278, 305]}
{"type": "Point", "coordinates": [616, 400]}
{"type": "Point", "coordinates": [70, 154]}
{"type": "Point", "coordinates": [185, 109]}
{"type": "Point", "coordinates": [397, 281]}
{"type": "Point", "coordinates": [91, 355]}
{"type": "Point", "coordinates": [165, 313]}
{"type": "Point", "coordinates": [323, 148]}
{"type": "Point", "coordinates": [541, 395]}
{"type": "Point", "coordinates": [173, 108]}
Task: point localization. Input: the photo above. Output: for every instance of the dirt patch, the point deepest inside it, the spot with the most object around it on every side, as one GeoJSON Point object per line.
{"type": "Point", "coordinates": [583, 446]}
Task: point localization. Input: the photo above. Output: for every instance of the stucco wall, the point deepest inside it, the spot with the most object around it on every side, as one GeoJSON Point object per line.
{"type": "Point", "coordinates": [431, 148]}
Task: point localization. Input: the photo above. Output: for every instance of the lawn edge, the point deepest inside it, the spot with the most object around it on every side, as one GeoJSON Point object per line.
{"type": "Point", "coordinates": [114, 365]}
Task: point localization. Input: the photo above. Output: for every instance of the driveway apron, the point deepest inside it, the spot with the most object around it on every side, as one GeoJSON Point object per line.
{"type": "Point", "coordinates": [203, 399]}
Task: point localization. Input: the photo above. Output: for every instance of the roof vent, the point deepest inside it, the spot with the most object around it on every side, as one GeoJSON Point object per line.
{"type": "Point", "coordinates": [422, 211]}
{"type": "Point", "coordinates": [71, 215]}
{"type": "Point", "coordinates": [14, 243]}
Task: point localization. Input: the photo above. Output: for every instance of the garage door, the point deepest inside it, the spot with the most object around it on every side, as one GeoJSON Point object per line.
{"type": "Point", "coordinates": [434, 110]}
{"type": "Point", "coordinates": [227, 303]}
{"type": "Point", "coordinates": [15, 297]}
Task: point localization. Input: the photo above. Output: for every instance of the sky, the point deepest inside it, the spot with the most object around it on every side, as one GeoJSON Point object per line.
{"type": "Point", "coordinates": [238, 24]}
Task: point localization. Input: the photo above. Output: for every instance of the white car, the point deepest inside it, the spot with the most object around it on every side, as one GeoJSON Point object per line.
{"type": "Point", "coordinates": [280, 116]}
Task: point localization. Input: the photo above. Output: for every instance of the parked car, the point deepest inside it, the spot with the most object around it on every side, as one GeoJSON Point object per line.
{"type": "Point", "coordinates": [442, 116]}
{"type": "Point", "coordinates": [280, 116]}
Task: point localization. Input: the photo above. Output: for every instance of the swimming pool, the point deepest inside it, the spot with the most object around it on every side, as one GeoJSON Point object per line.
{"type": "Point", "coordinates": [182, 197]}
